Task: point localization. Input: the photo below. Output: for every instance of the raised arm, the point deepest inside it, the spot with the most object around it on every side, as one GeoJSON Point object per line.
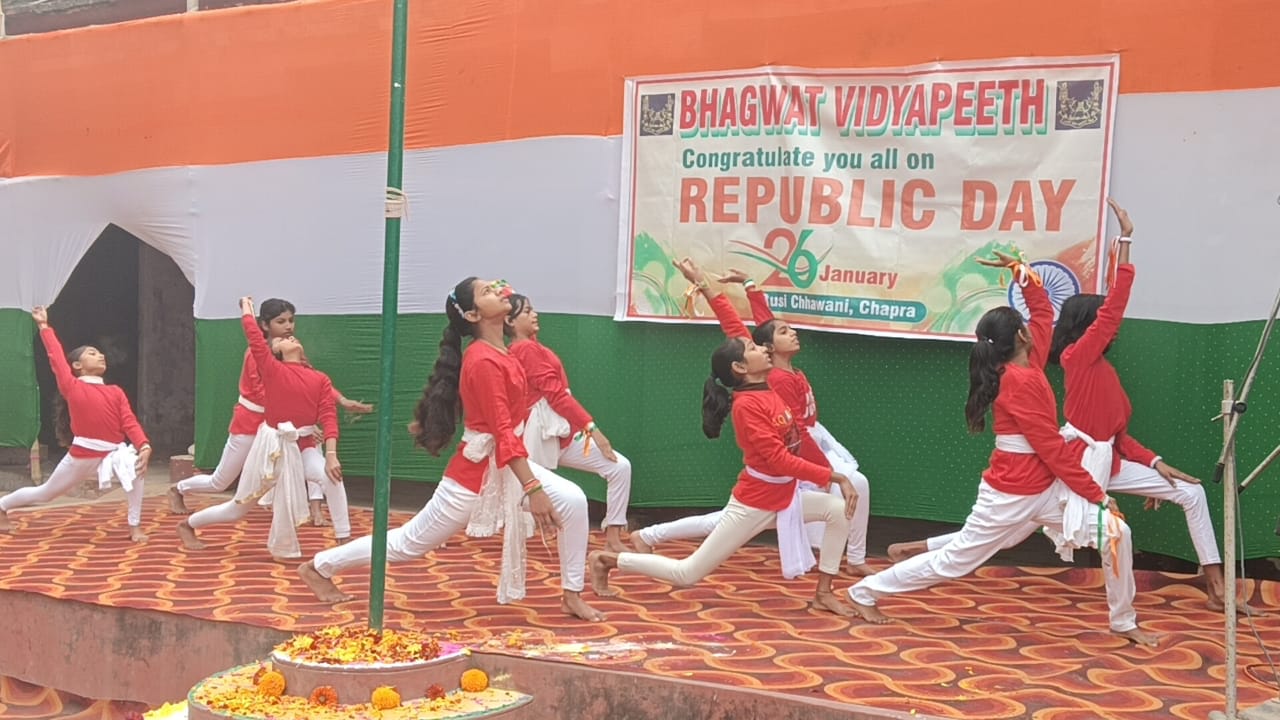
{"type": "Point", "coordinates": [1099, 335]}
{"type": "Point", "coordinates": [730, 322]}
{"type": "Point", "coordinates": [258, 348]}
{"type": "Point", "coordinates": [57, 356]}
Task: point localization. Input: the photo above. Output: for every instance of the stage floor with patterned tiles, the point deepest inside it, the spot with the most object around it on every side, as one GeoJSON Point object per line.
{"type": "Point", "coordinates": [1006, 643]}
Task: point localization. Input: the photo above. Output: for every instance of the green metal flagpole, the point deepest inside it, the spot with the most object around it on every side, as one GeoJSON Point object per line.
{"type": "Point", "coordinates": [390, 296]}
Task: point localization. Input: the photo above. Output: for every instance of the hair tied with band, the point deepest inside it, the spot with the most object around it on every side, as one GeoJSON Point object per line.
{"type": "Point", "coordinates": [453, 300]}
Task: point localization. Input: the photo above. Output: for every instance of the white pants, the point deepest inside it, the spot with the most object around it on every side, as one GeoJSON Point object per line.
{"type": "Point", "coordinates": [229, 467]}
{"type": "Point", "coordinates": [737, 525]}
{"type": "Point", "coordinates": [447, 513]}
{"type": "Point", "coordinates": [617, 476]}
{"type": "Point", "coordinates": [1137, 479]}
{"type": "Point", "coordinates": [313, 466]}
{"type": "Point", "coordinates": [69, 473]}
{"type": "Point", "coordinates": [995, 519]}
{"type": "Point", "coordinates": [334, 493]}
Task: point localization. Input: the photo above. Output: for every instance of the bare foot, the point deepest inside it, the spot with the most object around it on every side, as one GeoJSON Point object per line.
{"type": "Point", "coordinates": [177, 504]}
{"type": "Point", "coordinates": [829, 602]}
{"type": "Point", "coordinates": [188, 536]}
{"type": "Point", "coordinates": [641, 546]}
{"type": "Point", "coordinates": [5, 525]}
{"type": "Point", "coordinates": [870, 613]}
{"type": "Point", "coordinates": [1141, 637]}
{"type": "Point", "coordinates": [136, 534]}
{"type": "Point", "coordinates": [1217, 604]}
{"type": "Point", "coordinates": [613, 539]}
{"type": "Point", "coordinates": [599, 570]}
{"type": "Point", "coordinates": [860, 569]}
{"type": "Point", "coordinates": [901, 551]}
{"type": "Point", "coordinates": [317, 515]}
{"type": "Point", "coordinates": [344, 540]}
{"type": "Point", "coordinates": [573, 604]}
{"type": "Point", "coordinates": [323, 587]}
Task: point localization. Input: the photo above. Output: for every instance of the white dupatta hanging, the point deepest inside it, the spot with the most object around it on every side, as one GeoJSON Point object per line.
{"type": "Point", "coordinates": [499, 508]}
{"type": "Point", "coordinates": [273, 473]}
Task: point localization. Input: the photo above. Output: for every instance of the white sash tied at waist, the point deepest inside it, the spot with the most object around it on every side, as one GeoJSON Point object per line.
{"type": "Point", "coordinates": [1077, 511]}
{"type": "Point", "coordinates": [273, 474]}
{"type": "Point", "coordinates": [1016, 444]}
{"type": "Point", "coordinates": [542, 433]}
{"type": "Point", "coordinates": [793, 544]}
{"type": "Point", "coordinates": [121, 462]}
{"type": "Point", "coordinates": [250, 405]}
{"type": "Point", "coordinates": [499, 508]}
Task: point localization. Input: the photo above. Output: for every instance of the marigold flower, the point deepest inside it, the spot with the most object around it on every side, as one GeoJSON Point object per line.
{"type": "Point", "coordinates": [324, 696]}
{"type": "Point", "coordinates": [271, 684]}
{"type": "Point", "coordinates": [435, 692]}
{"type": "Point", "coordinates": [474, 680]}
{"type": "Point", "coordinates": [385, 698]}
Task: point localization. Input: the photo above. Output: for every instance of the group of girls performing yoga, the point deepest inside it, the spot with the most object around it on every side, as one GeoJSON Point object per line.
{"type": "Point", "coordinates": [520, 423]}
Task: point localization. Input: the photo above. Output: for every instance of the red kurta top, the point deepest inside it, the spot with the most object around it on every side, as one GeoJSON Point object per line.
{"type": "Point", "coordinates": [243, 420]}
{"type": "Point", "coordinates": [1026, 406]}
{"type": "Point", "coordinates": [547, 379]}
{"type": "Point", "coordinates": [293, 392]}
{"type": "Point", "coordinates": [493, 390]}
{"type": "Point", "coordinates": [791, 385]}
{"type": "Point", "coordinates": [763, 427]}
{"type": "Point", "coordinates": [1096, 402]}
{"type": "Point", "coordinates": [98, 411]}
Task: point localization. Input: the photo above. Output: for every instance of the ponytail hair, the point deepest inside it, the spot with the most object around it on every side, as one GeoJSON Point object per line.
{"type": "Point", "coordinates": [716, 400]}
{"type": "Point", "coordinates": [437, 413]}
{"type": "Point", "coordinates": [1075, 317]}
{"type": "Point", "coordinates": [272, 308]}
{"type": "Point", "coordinates": [997, 333]}
{"type": "Point", "coordinates": [62, 413]}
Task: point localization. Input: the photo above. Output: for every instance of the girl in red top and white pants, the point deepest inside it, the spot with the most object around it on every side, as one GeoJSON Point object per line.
{"type": "Point", "coordinates": [276, 318]}
{"type": "Point", "coordinates": [767, 492]}
{"type": "Point", "coordinates": [1097, 407]}
{"type": "Point", "coordinates": [284, 453]}
{"type": "Point", "coordinates": [489, 480]}
{"type": "Point", "coordinates": [101, 421]}
{"type": "Point", "coordinates": [793, 387]}
{"type": "Point", "coordinates": [1033, 475]}
{"type": "Point", "coordinates": [560, 430]}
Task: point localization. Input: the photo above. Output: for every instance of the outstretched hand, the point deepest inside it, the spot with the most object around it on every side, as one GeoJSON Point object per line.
{"type": "Point", "coordinates": [1002, 260]}
{"type": "Point", "coordinates": [40, 315]}
{"type": "Point", "coordinates": [246, 305]}
{"type": "Point", "coordinates": [734, 276]}
{"type": "Point", "coordinates": [690, 270]}
{"type": "Point", "coordinates": [1122, 216]}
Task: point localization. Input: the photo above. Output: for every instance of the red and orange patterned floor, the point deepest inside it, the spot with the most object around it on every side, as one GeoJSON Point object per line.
{"type": "Point", "coordinates": [1006, 643]}
{"type": "Point", "coordinates": [24, 701]}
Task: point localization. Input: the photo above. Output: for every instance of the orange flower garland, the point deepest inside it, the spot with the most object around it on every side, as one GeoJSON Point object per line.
{"type": "Point", "coordinates": [385, 698]}
{"type": "Point", "coordinates": [324, 696]}
{"type": "Point", "coordinates": [474, 680]}
{"type": "Point", "coordinates": [271, 684]}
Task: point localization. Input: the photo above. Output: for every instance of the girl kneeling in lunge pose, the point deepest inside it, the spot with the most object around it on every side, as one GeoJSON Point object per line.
{"type": "Point", "coordinates": [284, 451]}
{"type": "Point", "coordinates": [790, 383]}
{"type": "Point", "coordinates": [560, 430]}
{"type": "Point", "coordinates": [277, 319]}
{"type": "Point", "coordinates": [767, 493]}
{"type": "Point", "coordinates": [95, 424]}
{"type": "Point", "coordinates": [1033, 478]}
{"type": "Point", "coordinates": [1097, 409]}
{"type": "Point", "coordinates": [489, 477]}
